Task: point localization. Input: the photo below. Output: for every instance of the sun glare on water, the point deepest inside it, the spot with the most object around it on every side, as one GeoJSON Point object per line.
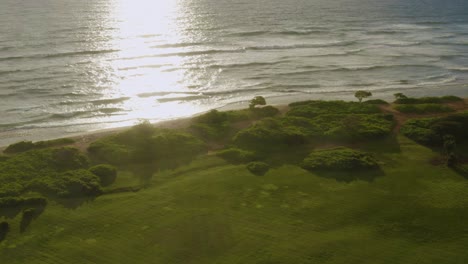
{"type": "Point", "coordinates": [146, 36]}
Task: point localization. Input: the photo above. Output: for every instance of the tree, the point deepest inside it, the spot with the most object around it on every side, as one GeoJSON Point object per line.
{"type": "Point", "coordinates": [362, 94]}
{"type": "Point", "coordinates": [257, 100]}
{"type": "Point", "coordinates": [400, 96]}
{"type": "Point", "coordinates": [449, 146]}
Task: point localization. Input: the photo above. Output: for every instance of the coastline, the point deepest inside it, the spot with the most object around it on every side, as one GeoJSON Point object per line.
{"type": "Point", "coordinates": [88, 135]}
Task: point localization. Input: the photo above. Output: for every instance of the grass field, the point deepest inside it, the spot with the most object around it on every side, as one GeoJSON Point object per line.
{"type": "Point", "coordinates": [369, 194]}
{"type": "Point", "coordinates": [214, 212]}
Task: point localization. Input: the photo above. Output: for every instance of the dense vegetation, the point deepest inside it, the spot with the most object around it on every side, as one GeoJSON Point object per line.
{"type": "Point", "coordinates": [402, 99]}
{"type": "Point", "coordinates": [423, 108]}
{"type": "Point", "coordinates": [250, 186]}
{"type": "Point", "coordinates": [430, 131]}
{"type": "Point", "coordinates": [339, 159]}
{"type": "Point", "coordinates": [146, 144]}
{"type": "Point", "coordinates": [29, 145]}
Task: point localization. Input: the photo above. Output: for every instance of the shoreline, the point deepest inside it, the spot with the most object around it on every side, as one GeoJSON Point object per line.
{"type": "Point", "coordinates": [85, 137]}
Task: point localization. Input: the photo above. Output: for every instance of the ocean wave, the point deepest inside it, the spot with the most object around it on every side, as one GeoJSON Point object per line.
{"type": "Point", "coordinates": [6, 48]}
{"type": "Point", "coordinates": [459, 69]}
{"type": "Point", "coordinates": [201, 52]}
{"type": "Point", "coordinates": [110, 101]}
{"type": "Point", "coordinates": [248, 33]}
{"type": "Point", "coordinates": [9, 72]}
{"type": "Point", "coordinates": [59, 55]}
{"type": "Point", "coordinates": [303, 46]}
{"type": "Point", "coordinates": [163, 93]}
{"type": "Point", "coordinates": [315, 69]}
{"type": "Point", "coordinates": [182, 98]}
{"type": "Point", "coordinates": [402, 43]}
{"type": "Point", "coordinates": [181, 45]}
{"type": "Point", "coordinates": [151, 66]}
{"type": "Point", "coordinates": [85, 113]}
{"type": "Point", "coordinates": [439, 82]}
{"type": "Point", "coordinates": [249, 64]}
{"type": "Point", "coordinates": [279, 33]}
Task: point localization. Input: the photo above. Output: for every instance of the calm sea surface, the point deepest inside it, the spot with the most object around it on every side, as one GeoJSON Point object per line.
{"type": "Point", "coordinates": [70, 66]}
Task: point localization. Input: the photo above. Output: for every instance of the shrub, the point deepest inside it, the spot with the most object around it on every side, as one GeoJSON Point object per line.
{"type": "Point", "coordinates": [311, 109]}
{"type": "Point", "coordinates": [29, 145]}
{"type": "Point", "coordinates": [10, 189]}
{"type": "Point", "coordinates": [419, 131]}
{"type": "Point", "coordinates": [77, 183]}
{"type": "Point", "coordinates": [4, 229]}
{"type": "Point", "coordinates": [236, 155]}
{"type": "Point", "coordinates": [138, 147]}
{"type": "Point", "coordinates": [19, 147]}
{"type": "Point", "coordinates": [376, 102]}
{"type": "Point", "coordinates": [68, 158]}
{"type": "Point", "coordinates": [70, 184]}
{"type": "Point", "coordinates": [428, 100]}
{"type": "Point", "coordinates": [106, 173]}
{"type": "Point", "coordinates": [339, 159]}
{"type": "Point", "coordinates": [362, 94]}
{"type": "Point", "coordinates": [258, 168]}
{"type": "Point", "coordinates": [400, 96]}
{"type": "Point", "coordinates": [18, 202]}
{"type": "Point", "coordinates": [451, 98]}
{"type": "Point", "coordinates": [11, 202]}
{"type": "Point", "coordinates": [430, 131]}
{"type": "Point", "coordinates": [423, 108]}
{"type": "Point", "coordinates": [266, 111]}
{"type": "Point", "coordinates": [269, 133]}
{"type": "Point", "coordinates": [212, 117]}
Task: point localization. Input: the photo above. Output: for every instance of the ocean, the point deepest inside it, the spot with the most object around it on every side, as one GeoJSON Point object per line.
{"type": "Point", "coordinates": [69, 67]}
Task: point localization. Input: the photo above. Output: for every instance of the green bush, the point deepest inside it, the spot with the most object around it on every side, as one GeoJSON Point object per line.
{"type": "Point", "coordinates": [428, 100]}
{"type": "Point", "coordinates": [20, 170]}
{"type": "Point", "coordinates": [430, 131]}
{"type": "Point", "coordinates": [266, 111]}
{"type": "Point", "coordinates": [19, 147]}
{"type": "Point", "coordinates": [419, 130]}
{"type": "Point", "coordinates": [77, 183]}
{"type": "Point", "coordinates": [423, 108]}
{"type": "Point", "coordinates": [106, 173]}
{"type": "Point", "coordinates": [376, 102]}
{"type": "Point", "coordinates": [236, 155]}
{"type": "Point", "coordinates": [339, 159]}
{"type": "Point", "coordinates": [216, 125]}
{"type": "Point", "coordinates": [69, 184]}
{"type": "Point", "coordinates": [258, 168]}
{"type": "Point", "coordinates": [146, 145]}
{"type": "Point", "coordinates": [18, 201]}
{"type": "Point", "coordinates": [311, 109]}
{"type": "Point", "coordinates": [269, 133]}
{"type": "Point", "coordinates": [23, 146]}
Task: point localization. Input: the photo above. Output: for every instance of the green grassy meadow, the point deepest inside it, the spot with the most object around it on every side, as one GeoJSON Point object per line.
{"type": "Point", "coordinates": [213, 211]}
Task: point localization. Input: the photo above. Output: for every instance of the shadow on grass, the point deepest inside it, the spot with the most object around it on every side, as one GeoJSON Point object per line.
{"type": "Point", "coordinates": [349, 176]}
{"type": "Point", "coordinates": [389, 144]}
{"type": "Point", "coordinates": [277, 157]}
{"type": "Point", "coordinates": [75, 202]}
{"type": "Point", "coordinates": [29, 215]}
{"type": "Point", "coordinates": [462, 170]}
